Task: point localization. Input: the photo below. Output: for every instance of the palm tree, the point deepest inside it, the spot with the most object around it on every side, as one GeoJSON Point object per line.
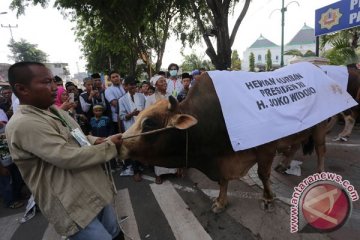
{"type": "Point", "coordinates": [344, 46]}
{"type": "Point", "coordinates": [296, 52]}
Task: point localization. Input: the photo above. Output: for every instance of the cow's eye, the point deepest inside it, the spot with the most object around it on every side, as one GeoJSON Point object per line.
{"type": "Point", "coordinates": [149, 124]}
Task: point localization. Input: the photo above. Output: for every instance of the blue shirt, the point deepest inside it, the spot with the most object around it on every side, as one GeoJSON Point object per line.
{"type": "Point", "coordinates": [101, 127]}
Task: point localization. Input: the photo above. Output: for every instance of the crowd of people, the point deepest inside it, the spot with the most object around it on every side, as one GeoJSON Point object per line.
{"type": "Point", "coordinates": [76, 132]}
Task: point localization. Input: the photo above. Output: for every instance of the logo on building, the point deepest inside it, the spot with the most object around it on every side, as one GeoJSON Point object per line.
{"type": "Point", "coordinates": [330, 18]}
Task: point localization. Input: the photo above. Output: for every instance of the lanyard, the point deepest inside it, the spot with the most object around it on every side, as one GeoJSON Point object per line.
{"type": "Point", "coordinates": [62, 120]}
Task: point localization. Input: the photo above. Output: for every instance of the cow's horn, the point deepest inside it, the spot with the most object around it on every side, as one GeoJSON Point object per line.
{"type": "Point", "coordinates": [172, 103]}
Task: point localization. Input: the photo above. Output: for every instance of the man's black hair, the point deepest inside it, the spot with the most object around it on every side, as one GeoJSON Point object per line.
{"type": "Point", "coordinates": [130, 80]}
{"type": "Point", "coordinates": [161, 73]}
{"type": "Point", "coordinates": [173, 65]}
{"type": "Point", "coordinates": [185, 75]}
{"type": "Point", "coordinates": [112, 72]}
{"type": "Point", "coordinates": [3, 88]}
{"type": "Point", "coordinates": [68, 84]}
{"type": "Point", "coordinates": [21, 73]}
{"type": "Point", "coordinates": [95, 75]}
{"type": "Point", "coordinates": [58, 79]}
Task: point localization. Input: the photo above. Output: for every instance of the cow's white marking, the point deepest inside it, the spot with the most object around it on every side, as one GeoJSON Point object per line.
{"type": "Point", "coordinates": [124, 208]}
{"type": "Point", "coordinates": [180, 218]}
{"type": "Point", "coordinates": [8, 226]}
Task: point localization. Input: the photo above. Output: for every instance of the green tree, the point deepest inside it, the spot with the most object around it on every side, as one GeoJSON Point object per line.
{"type": "Point", "coordinates": [296, 52]}
{"type": "Point", "coordinates": [25, 51]}
{"type": "Point", "coordinates": [211, 17]}
{"type": "Point", "coordinates": [335, 57]}
{"type": "Point", "coordinates": [268, 60]}
{"type": "Point", "coordinates": [344, 46]}
{"type": "Point", "coordinates": [193, 61]}
{"type": "Point", "coordinates": [145, 24]}
{"type": "Point", "coordinates": [142, 25]}
{"type": "Point", "coordinates": [252, 62]}
{"type": "Point", "coordinates": [235, 61]}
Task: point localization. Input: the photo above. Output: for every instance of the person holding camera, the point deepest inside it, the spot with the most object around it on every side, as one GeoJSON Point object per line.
{"type": "Point", "coordinates": [91, 97]}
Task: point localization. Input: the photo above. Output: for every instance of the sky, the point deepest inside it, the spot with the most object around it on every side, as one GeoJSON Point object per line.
{"type": "Point", "coordinates": [54, 35]}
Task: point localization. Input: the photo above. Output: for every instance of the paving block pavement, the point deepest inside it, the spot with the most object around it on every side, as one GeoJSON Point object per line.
{"type": "Point", "coordinates": [342, 158]}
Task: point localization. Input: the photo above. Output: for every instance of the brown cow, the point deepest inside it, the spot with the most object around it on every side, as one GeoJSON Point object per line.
{"type": "Point", "coordinates": [206, 145]}
{"type": "Point", "coordinates": [350, 115]}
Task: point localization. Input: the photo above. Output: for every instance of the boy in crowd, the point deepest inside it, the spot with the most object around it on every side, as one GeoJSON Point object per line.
{"type": "Point", "coordinates": [186, 80]}
{"type": "Point", "coordinates": [100, 126]}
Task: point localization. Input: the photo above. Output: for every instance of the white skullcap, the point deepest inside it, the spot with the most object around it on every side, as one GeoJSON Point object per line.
{"type": "Point", "coordinates": [154, 79]}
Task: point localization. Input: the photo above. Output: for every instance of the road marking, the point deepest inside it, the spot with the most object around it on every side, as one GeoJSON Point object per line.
{"type": "Point", "coordinates": [124, 208]}
{"type": "Point", "coordinates": [180, 218]}
{"type": "Point", "coordinates": [342, 144]}
{"type": "Point", "coordinates": [177, 186]}
{"type": "Point", "coordinates": [8, 226]}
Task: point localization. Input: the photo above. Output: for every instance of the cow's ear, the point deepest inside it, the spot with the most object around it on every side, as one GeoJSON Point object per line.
{"type": "Point", "coordinates": [173, 103]}
{"type": "Point", "coordinates": [183, 121]}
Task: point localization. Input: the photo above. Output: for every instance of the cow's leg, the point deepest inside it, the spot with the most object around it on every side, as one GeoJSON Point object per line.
{"type": "Point", "coordinates": [349, 125]}
{"type": "Point", "coordinates": [288, 156]}
{"type": "Point", "coordinates": [221, 201]}
{"type": "Point", "coordinates": [265, 159]}
{"type": "Point", "coordinates": [331, 123]}
{"type": "Point", "coordinates": [320, 147]}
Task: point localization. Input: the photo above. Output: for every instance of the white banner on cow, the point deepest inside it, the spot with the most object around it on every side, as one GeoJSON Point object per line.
{"type": "Point", "coordinates": [262, 107]}
{"type": "Point", "coordinates": [338, 73]}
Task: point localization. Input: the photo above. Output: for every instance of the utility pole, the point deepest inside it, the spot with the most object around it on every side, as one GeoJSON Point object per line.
{"type": "Point", "coordinates": [77, 67]}
{"type": "Point", "coordinates": [10, 27]}
{"type": "Point", "coordinates": [283, 10]}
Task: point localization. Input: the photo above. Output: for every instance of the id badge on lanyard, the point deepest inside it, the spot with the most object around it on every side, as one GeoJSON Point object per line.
{"type": "Point", "coordinates": [174, 92]}
{"type": "Point", "coordinates": [77, 134]}
{"type": "Point", "coordinates": [80, 137]}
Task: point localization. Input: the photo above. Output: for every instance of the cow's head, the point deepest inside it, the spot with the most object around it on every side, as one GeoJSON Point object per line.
{"type": "Point", "coordinates": [163, 148]}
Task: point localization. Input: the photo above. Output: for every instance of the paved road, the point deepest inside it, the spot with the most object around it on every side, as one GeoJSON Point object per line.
{"type": "Point", "coordinates": [180, 208]}
{"type": "Point", "coordinates": [173, 210]}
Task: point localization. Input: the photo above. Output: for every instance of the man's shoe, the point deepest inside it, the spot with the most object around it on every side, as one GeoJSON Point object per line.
{"type": "Point", "coordinates": [127, 172]}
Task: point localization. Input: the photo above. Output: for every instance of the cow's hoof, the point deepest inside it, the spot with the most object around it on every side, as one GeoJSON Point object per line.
{"type": "Point", "coordinates": [217, 207]}
{"type": "Point", "coordinates": [267, 205]}
{"type": "Point", "coordinates": [281, 168]}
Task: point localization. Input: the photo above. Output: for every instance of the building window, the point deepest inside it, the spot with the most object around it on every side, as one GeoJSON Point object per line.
{"type": "Point", "coordinates": [276, 58]}
{"type": "Point", "coordinates": [259, 58]}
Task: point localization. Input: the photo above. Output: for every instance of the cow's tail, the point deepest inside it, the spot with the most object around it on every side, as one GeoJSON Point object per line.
{"type": "Point", "coordinates": [308, 146]}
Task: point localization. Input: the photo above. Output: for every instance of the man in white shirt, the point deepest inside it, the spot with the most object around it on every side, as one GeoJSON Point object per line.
{"type": "Point", "coordinates": [174, 85]}
{"type": "Point", "coordinates": [113, 94]}
{"type": "Point", "coordinates": [130, 106]}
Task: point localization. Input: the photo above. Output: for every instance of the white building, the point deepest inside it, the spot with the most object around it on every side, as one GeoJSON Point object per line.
{"type": "Point", "coordinates": [303, 41]}
{"type": "Point", "coordinates": [59, 69]}
{"type": "Point", "coordinates": [4, 67]}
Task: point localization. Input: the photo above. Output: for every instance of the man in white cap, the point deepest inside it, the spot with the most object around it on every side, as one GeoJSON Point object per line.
{"type": "Point", "coordinates": [160, 93]}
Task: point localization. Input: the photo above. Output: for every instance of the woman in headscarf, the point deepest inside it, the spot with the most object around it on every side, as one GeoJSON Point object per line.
{"type": "Point", "coordinates": [62, 99]}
